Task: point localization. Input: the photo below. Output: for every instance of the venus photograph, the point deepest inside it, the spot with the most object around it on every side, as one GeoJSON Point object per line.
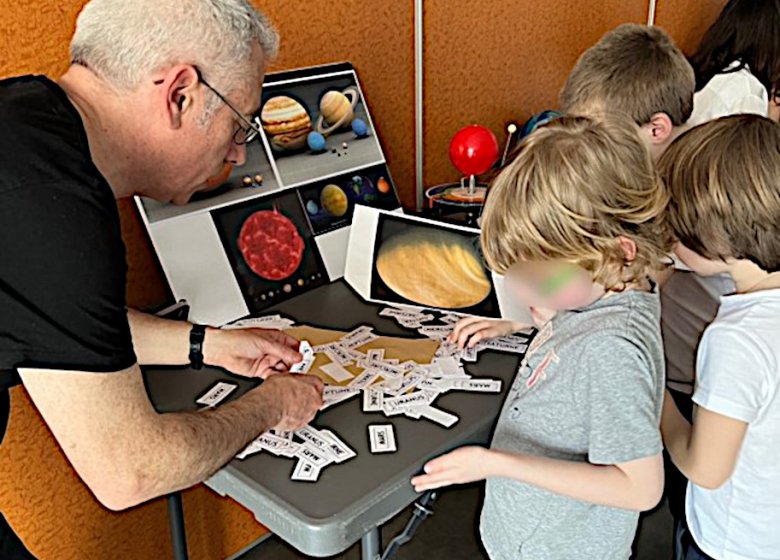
{"type": "Point", "coordinates": [270, 249]}
{"type": "Point", "coordinates": [317, 127]}
{"type": "Point", "coordinates": [431, 265]}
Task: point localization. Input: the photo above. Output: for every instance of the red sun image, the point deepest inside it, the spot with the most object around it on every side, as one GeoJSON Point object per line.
{"type": "Point", "coordinates": [271, 245]}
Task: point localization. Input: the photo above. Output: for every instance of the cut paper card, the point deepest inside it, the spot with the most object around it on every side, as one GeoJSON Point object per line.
{"type": "Point", "coordinates": [216, 394]}
{"type": "Point", "coordinates": [337, 447]}
{"type": "Point", "coordinates": [265, 322]}
{"type": "Point", "coordinates": [337, 372]}
{"type": "Point", "coordinates": [305, 471]}
{"type": "Point", "coordinates": [382, 438]}
{"type": "Point", "coordinates": [418, 263]}
{"type": "Point", "coordinates": [438, 415]}
{"type": "Point", "coordinates": [305, 364]}
{"type": "Point", "coordinates": [419, 350]}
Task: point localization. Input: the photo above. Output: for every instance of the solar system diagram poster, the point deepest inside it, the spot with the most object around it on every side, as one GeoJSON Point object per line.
{"type": "Point", "coordinates": [329, 105]}
{"type": "Point", "coordinates": [270, 248]}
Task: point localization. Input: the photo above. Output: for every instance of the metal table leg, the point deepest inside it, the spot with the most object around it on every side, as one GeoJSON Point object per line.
{"type": "Point", "coordinates": [371, 545]}
{"type": "Point", "coordinates": [176, 524]}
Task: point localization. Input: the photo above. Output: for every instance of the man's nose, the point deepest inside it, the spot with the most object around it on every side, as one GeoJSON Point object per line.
{"type": "Point", "coordinates": [237, 154]}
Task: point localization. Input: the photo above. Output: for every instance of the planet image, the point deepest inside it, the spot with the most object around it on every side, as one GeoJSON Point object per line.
{"type": "Point", "coordinates": [360, 128]}
{"type": "Point", "coordinates": [312, 208]}
{"type": "Point", "coordinates": [334, 200]}
{"type": "Point", "coordinates": [286, 122]}
{"type": "Point", "coordinates": [337, 109]}
{"type": "Point", "coordinates": [361, 189]}
{"type": "Point", "coordinates": [316, 142]}
{"type": "Point", "coordinates": [271, 245]}
{"type": "Point", "coordinates": [383, 185]}
{"type": "Point", "coordinates": [433, 268]}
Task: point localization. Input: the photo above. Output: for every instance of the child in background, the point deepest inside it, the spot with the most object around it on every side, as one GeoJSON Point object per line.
{"type": "Point", "coordinates": [737, 64]}
{"type": "Point", "coordinates": [574, 224]}
{"type": "Point", "coordinates": [637, 72]}
{"type": "Point", "coordinates": [724, 179]}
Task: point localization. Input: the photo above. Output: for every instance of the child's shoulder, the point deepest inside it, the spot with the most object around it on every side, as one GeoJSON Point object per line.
{"type": "Point", "coordinates": [750, 321]}
{"type": "Point", "coordinates": [621, 329]}
{"type": "Point", "coordinates": [626, 314]}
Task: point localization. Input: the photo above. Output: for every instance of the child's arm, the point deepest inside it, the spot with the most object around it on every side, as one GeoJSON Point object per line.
{"type": "Point", "coordinates": [470, 330]}
{"type": "Point", "coordinates": [706, 452]}
{"type": "Point", "coordinates": [635, 485]}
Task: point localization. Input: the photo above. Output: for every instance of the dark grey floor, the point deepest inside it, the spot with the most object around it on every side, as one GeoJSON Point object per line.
{"type": "Point", "coordinates": [451, 534]}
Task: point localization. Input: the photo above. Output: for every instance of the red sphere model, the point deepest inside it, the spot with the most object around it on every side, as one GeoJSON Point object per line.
{"type": "Point", "coordinates": [474, 149]}
{"type": "Point", "coordinates": [271, 245]}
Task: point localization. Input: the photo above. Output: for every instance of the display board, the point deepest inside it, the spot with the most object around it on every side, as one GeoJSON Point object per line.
{"type": "Point", "coordinates": [278, 225]}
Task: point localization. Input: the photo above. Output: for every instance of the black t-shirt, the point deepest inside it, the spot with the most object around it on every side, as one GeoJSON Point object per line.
{"type": "Point", "coordinates": [62, 259]}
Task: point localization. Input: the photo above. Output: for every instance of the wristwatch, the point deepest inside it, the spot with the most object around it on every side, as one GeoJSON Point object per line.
{"type": "Point", "coordinates": [197, 334]}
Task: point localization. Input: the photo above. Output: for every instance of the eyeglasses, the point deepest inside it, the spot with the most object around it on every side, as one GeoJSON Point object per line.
{"type": "Point", "coordinates": [244, 134]}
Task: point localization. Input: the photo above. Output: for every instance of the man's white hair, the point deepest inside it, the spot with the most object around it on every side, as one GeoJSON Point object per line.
{"type": "Point", "coordinates": [125, 41]}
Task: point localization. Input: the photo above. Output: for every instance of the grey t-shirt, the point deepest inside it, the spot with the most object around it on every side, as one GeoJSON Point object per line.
{"type": "Point", "coordinates": [689, 303]}
{"type": "Point", "coordinates": [589, 389]}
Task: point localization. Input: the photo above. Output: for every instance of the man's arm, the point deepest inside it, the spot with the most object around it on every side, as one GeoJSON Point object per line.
{"type": "Point", "coordinates": [127, 453]}
{"type": "Point", "coordinates": [248, 352]}
{"type": "Point", "coordinates": [706, 453]}
{"type": "Point", "coordinates": [158, 341]}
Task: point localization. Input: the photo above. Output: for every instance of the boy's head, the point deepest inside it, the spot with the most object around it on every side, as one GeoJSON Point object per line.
{"type": "Point", "coordinates": [724, 181]}
{"type": "Point", "coordinates": [577, 212]}
{"type": "Point", "coordinates": [638, 71]}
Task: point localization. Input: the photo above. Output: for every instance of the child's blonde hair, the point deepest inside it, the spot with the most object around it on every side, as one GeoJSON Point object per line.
{"type": "Point", "coordinates": [575, 187]}
{"type": "Point", "coordinates": [724, 180]}
{"type": "Point", "coordinates": [633, 69]}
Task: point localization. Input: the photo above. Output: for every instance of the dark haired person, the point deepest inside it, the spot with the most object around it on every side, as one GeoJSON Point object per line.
{"type": "Point", "coordinates": [737, 64]}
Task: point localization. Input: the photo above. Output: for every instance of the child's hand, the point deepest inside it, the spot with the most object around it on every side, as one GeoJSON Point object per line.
{"type": "Point", "coordinates": [467, 464]}
{"type": "Point", "coordinates": [469, 331]}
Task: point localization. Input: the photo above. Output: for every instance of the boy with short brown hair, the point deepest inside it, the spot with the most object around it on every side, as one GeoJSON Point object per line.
{"type": "Point", "coordinates": [639, 71]}
{"type": "Point", "coordinates": [724, 179]}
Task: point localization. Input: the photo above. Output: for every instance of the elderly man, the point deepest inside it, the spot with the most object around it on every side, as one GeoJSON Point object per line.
{"type": "Point", "coordinates": [157, 98]}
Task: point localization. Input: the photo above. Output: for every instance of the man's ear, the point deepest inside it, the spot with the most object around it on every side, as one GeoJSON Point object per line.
{"type": "Point", "coordinates": [659, 129]}
{"type": "Point", "coordinates": [628, 246]}
{"type": "Point", "coordinates": [180, 86]}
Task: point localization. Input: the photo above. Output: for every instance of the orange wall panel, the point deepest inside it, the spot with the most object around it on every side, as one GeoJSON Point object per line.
{"type": "Point", "coordinates": [58, 519]}
{"type": "Point", "coordinates": [687, 20]}
{"type": "Point", "coordinates": [494, 61]}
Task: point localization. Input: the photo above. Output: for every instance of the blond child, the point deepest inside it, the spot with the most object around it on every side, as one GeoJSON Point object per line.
{"type": "Point", "coordinates": [638, 71]}
{"type": "Point", "coordinates": [574, 224]}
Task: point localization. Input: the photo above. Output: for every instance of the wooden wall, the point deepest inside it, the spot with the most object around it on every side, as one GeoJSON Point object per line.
{"type": "Point", "coordinates": [487, 62]}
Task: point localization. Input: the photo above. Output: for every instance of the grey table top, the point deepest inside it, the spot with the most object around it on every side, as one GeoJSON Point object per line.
{"type": "Point", "coordinates": [329, 516]}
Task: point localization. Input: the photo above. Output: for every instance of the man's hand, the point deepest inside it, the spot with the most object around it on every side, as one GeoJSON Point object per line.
{"type": "Point", "coordinates": [127, 452]}
{"type": "Point", "coordinates": [467, 464]}
{"type": "Point", "coordinates": [251, 352]}
{"type": "Point", "coordinates": [299, 397]}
